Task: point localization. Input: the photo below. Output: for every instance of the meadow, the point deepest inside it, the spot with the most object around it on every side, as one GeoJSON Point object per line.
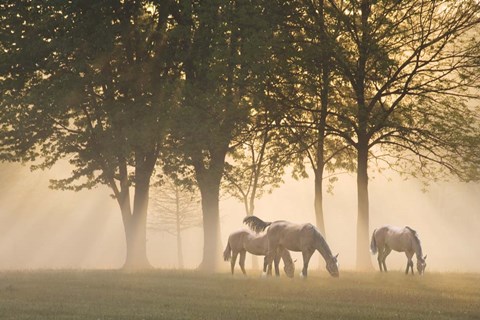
{"type": "Point", "coordinates": [165, 294]}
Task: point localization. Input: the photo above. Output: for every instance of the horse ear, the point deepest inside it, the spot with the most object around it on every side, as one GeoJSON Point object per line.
{"type": "Point", "coordinates": [336, 256]}
{"type": "Point", "coordinates": [425, 258]}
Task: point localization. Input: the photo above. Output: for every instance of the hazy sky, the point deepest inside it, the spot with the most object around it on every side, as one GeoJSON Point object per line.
{"type": "Point", "coordinates": [41, 228]}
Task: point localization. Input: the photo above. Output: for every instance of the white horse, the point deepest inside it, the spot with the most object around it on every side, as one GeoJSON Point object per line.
{"type": "Point", "coordinates": [295, 237]}
{"type": "Point", "coordinates": [243, 241]}
{"type": "Point", "coordinates": [388, 238]}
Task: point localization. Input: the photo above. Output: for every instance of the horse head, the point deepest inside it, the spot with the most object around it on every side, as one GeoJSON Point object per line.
{"type": "Point", "coordinates": [289, 268]}
{"type": "Point", "coordinates": [421, 264]}
{"type": "Point", "coordinates": [332, 266]}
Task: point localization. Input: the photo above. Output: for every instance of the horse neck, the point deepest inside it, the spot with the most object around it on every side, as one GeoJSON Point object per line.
{"type": "Point", "coordinates": [417, 247]}
{"type": "Point", "coordinates": [322, 246]}
{"type": "Point", "coordinates": [286, 257]}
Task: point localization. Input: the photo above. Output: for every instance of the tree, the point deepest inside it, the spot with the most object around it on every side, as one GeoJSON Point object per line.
{"type": "Point", "coordinates": [91, 83]}
{"type": "Point", "coordinates": [316, 86]}
{"type": "Point", "coordinates": [409, 65]}
{"type": "Point", "coordinates": [257, 166]}
{"type": "Point", "coordinates": [222, 62]}
{"type": "Point", "coordinates": [174, 208]}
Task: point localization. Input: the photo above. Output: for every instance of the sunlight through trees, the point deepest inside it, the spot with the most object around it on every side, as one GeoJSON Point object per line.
{"type": "Point", "coordinates": [226, 95]}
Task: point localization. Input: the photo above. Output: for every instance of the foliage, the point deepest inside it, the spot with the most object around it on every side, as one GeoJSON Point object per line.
{"type": "Point", "coordinates": [112, 86]}
{"type": "Point", "coordinates": [92, 83]}
{"type": "Point", "coordinates": [412, 68]}
{"type": "Point", "coordinates": [310, 89]}
{"type": "Point", "coordinates": [394, 55]}
{"type": "Point", "coordinates": [72, 86]}
{"type": "Point", "coordinates": [257, 166]}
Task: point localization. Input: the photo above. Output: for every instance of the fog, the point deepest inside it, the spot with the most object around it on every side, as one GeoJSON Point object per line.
{"type": "Point", "coordinates": [42, 228]}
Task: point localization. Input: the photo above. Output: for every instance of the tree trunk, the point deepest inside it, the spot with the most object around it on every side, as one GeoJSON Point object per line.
{"type": "Point", "coordinates": [250, 211]}
{"type": "Point", "coordinates": [322, 123]}
{"type": "Point", "coordinates": [179, 250]}
{"type": "Point", "coordinates": [135, 225]}
{"type": "Point", "coordinates": [209, 185]}
{"type": "Point", "coordinates": [178, 229]}
{"type": "Point", "coordinates": [363, 255]}
{"type": "Point", "coordinates": [211, 228]}
{"type": "Point", "coordinates": [319, 220]}
{"type": "Point", "coordinates": [135, 233]}
{"type": "Point", "coordinates": [319, 202]}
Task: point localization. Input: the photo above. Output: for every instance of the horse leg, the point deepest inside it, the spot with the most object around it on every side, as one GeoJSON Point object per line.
{"type": "Point", "coordinates": [386, 252]}
{"type": "Point", "coordinates": [267, 265]}
{"type": "Point", "coordinates": [409, 265]}
{"type": "Point", "coordinates": [243, 253]}
{"type": "Point", "coordinates": [276, 262]}
{"type": "Point", "coordinates": [307, 254]}
{"type": "Point", "coordinates": [233, 260]}
{"type": "Point", "coordinates": [409, 262]}
{"type": "Point", "coordinates": [267, 268]}
{"type": "Point", "coordinates": [379, 258]}
{"type": "Point", "coordinates": [380, 255]}
{"type": "Point", "coordinates": [269, 257]}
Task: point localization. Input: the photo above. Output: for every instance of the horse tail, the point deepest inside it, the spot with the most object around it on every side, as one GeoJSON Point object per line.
{"type": "Point", "coordinates": [227, 254]}
{"type": "Point", "coordinates": [256, 224]}
{"type": "Point", "coordinates": [373, 243]}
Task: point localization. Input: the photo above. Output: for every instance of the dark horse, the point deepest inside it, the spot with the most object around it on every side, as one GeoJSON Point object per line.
{"type": "Point", "coordinates": [304, 238]}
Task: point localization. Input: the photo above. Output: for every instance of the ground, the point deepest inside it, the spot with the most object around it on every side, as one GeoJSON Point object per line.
{"type": "Point", "coordinates": [163, 294]}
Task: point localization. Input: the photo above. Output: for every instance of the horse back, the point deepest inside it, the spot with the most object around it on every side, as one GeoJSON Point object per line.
{"type": "Point", "coordinates": [237, 239]}
{"type": "Point", "coordinates": [289, 235]}
{"type": "Point", "coordinates": [398, 239]}
{"type": "Point", "coordinates": [256, 244]}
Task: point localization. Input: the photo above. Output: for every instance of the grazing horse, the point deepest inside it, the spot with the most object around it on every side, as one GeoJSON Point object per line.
{"type": "Point", "coordinates": [240, 242]}
{"type": "Point", "coordinates": [388, 238]}
{"type": "Point", "coordinates": [294, 237]}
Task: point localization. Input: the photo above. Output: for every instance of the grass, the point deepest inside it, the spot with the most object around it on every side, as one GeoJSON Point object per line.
{"type": "Point", "coordinates": [164, 294]}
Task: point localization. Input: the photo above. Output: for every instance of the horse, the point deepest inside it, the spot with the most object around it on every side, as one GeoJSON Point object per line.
{"type": "Point", "coordinates": [388, 238]}
{"type": "Point", "coordinates": [240, 242]}
{"type": "Point", "coordinates": [303, 238]}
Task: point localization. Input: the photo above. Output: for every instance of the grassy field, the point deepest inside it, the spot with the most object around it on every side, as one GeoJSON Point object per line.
{"type": "Point", "coordinates": [164, 294]}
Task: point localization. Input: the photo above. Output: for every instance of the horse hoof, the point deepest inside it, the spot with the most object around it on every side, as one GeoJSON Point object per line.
{"type": "Point", "coordinates": [264, 274]}
{"type": "Point", "coordinates": [301, 275]}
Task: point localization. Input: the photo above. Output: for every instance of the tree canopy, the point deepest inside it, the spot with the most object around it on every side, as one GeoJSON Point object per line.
{"type": "Point", "coordinates": [120, 89]}
{"type": "Point", "coordinates": [71, 90]}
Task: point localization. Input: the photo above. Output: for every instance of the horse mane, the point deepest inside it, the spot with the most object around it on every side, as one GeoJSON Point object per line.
{"type": "Point", "coordinates": [415, 236]}
{"type": "Point", "coordinates": [411, 230]}
{"type": "Point", "coordinates": [324, 249]}
{"type": "Point", "coordinates": [256, 224]}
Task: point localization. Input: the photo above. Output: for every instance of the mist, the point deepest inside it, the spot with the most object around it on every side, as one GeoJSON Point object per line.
{"type": "Point", "coordinates": [49, 229]}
